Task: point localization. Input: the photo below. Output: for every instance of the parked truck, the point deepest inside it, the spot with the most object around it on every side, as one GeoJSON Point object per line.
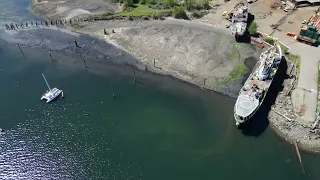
{"type": "Point", "coordinates": [310, 32]}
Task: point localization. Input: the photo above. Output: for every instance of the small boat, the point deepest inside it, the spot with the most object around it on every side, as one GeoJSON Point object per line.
{"type": "Point", "coordinates": [51, 94]}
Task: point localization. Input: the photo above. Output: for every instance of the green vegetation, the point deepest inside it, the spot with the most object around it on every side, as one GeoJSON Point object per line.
{"type": "Point", "coordinates": [238, 71]}
{"type": "Point", "coordinates": [252, 29]}
{"type": "Point", "coordinates": [196, 4]}
{"type": "Point", "coordinates": [269, 40]}
{"type": "Point", "coordinates": [319, 75]}
{"type": "Point", "coordinates": [284, 49]}
{"type": "Point", "coordinates": [158, 8]}
{"type": "Point", "coordinates": [139, 10]}
{"type": "Point", "coordinates": [294, 58]}
{"type": "Point", "coordinates": [179, 13]}
{"type": "Point", "coordinates": [234, 53]}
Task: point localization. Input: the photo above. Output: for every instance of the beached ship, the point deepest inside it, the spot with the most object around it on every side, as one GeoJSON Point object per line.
{"type": "Point", "coordinates": [257, 85]}
{"type": "Point", "coordinates": [50, 94]}
{"type": "Point", "coordinates": [239, 20]}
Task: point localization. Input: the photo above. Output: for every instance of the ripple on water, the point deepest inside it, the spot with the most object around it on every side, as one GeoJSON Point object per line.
{"type": "Point", "coordinates": [58, 142]}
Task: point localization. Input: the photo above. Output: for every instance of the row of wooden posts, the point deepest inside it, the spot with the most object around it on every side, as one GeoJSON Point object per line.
{"type": "Point", "coordinates": [63, 22]}
{"type": "Point", "coordinates": [85, 65]}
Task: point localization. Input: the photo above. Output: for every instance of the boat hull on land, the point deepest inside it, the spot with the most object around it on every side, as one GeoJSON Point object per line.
{"type": "Point", "coordinates": [255, 89]}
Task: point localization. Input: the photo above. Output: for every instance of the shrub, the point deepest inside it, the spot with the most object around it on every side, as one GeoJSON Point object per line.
{"type": "Point", "coordinates": [269, 40]}
{"type": "Point", "coordinates": [198, 14]}
{"type": "Point", "coordinates": [143, 1]}
{"type": "Point", "coordinates": [168, 3]}
{"type": "Point", "coordinates": [252, 29]}
{"type": "Point", "coordinates": [151, 2]}
{"type": "Point", "coordinates": [179, 13]}
{"type": "Point", "coordinates": [128, 3]}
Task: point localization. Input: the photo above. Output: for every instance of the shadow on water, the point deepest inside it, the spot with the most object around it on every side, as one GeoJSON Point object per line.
{"type": "Point", "coordinates": [259, 122]}
{"type": "Point", "coordinates": [246, 37]}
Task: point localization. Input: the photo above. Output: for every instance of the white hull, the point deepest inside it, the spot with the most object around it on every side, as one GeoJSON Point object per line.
{"type": "Point", "coordinates": [51, 95]}
{"type": "Point", "coordinates": [247, 104]}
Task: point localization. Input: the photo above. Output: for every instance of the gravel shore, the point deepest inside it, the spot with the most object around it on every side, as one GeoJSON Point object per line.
{"type": "Point", "coordinates": [285, 122]}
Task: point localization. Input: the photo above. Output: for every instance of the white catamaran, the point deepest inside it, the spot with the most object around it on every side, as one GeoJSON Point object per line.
{"type": "Point", "coordinates": [51, 94]}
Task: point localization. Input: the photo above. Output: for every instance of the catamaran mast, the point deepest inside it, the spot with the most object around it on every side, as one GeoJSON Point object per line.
{"type": "Point", "coordinates": [46, 81]}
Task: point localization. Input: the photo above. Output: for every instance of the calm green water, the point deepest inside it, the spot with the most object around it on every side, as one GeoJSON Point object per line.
{"type": "Point", "coordinates": [156, 129]}
{"type": "Point", "coordinates": [162, 129]}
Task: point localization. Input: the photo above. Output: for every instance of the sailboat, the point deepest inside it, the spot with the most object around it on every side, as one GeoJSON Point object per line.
{"type": "Point", "coordinates": [50, 94]}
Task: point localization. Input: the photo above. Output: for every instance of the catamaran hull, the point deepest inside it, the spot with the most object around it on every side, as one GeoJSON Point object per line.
{"type": "Point", "coordinates": [52, 98]}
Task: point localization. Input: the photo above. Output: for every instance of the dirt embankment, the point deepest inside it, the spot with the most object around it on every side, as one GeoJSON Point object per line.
{"type": "Point", "coordinates": [194, 52]}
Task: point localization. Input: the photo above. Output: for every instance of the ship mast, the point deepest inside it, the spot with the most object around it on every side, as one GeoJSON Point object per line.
{"type": "Point", "coordinates": [46, 81]}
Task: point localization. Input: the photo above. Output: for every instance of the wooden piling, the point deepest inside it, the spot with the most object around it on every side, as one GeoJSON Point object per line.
{"type": "Point", "coordinates": [85, 65]}
{"type": "Point", "coordinates": [154, 62]}
{"type": "Point", "coordinates": [36, 23]}
{"type": "Point", "coordinates": [26, 24]}
{"type": "Point", "coordinates": [20, 49]}
{"type": "Point", "coordinates": [50, 56]}
{"type": "Point", "coordinates": [299, 157]}
{"type": "Point", "coordinates": [62, 95]}
{"type": "Point", "coordinates": [134, 76]}
{"type": "Point", "coordinates": [105, 32]}
{"type": "Point", "coordinates": [113, 94]}
{"type": "Point", "coordinates": [77, 44]}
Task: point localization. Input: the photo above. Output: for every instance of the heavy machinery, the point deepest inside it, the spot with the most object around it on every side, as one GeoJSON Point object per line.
{"type": "Point", "coordinates": [310, 32]}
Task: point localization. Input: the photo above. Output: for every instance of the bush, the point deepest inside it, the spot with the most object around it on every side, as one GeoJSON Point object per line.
{"type": "Point", "coordinates": [269, 40]}
{"type": "Point", "coordinates": [168, 3]}
{"type": "Point", "coordinates": [252, 29]}
{"type": "Point", "coordinates": [151, 1]}
{"type": "Point", "coordinates": [197, 4]}
{"type": "Point", "coordinates": [179, 13]}
{"type": "Point", "coordinates": [198, 14]}
{"type": "Point", "coordinates": [143, 1]}
{"type": "Point", "coordinates": [128, 3]}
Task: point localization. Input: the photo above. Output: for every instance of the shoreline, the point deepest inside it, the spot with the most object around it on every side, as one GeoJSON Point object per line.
{"type": "Point", "coordinates": [278, 124]}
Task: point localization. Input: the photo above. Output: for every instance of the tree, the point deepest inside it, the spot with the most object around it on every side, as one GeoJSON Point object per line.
{"type": "Point", "coordinates": [252, 29]}
{"type": "Point", "coordinates": [179, 13]}
{"type": "Point", "coordinates": [168, 3]}
{"type": "Point", "coordinates": [128, 3]}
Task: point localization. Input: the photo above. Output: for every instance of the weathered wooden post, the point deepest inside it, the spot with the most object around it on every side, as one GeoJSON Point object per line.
{"type": "Point", "coordinates": [26, 24]}
{"type": "Point", "coordinates": [20, 49]}
{"type": "Point", "coordinates": [36, 23]}
{"type": "Point", "coordinates": [105, 32]}
{"type": "Point", "coordinates": [50, 56]}
{"type": "Point", "coordinates": [204, 82]}
{"type": "Point", "coordinates": [134, 76]}
{"type": "Point", "coordinates": [77, 44]}
{"type": "Point", "coordinates": [85, 65]}
{"type": "Point", "coordinates": [113, 31]}
{"type": "Point", "coordinates": [154, 62]}
{"type": "Point", "coordinates": [113, 94]}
